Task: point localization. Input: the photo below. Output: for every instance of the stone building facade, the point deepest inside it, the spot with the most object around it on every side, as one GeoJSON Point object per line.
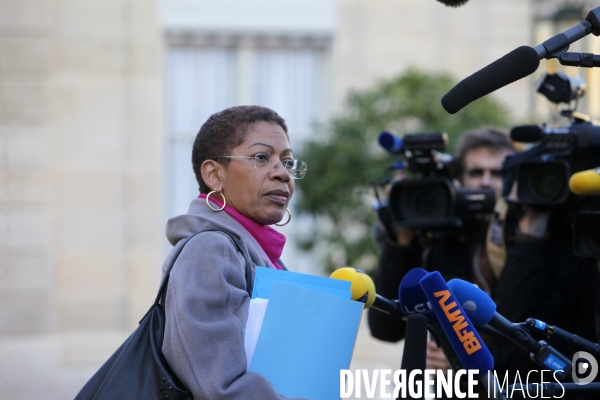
{"type": "Point", "coordinates": [91, 132]}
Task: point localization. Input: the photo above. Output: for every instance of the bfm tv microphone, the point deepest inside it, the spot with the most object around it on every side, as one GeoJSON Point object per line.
{"type": "Point", "coordinates": [586, 183]}
{"type": "Point", "coordinates": [414, 301]}
{"type": "Point", "coordinates": [517, 64]}
{"type": "Point", "coordinates": [464, 338]}
{"type": "Point", "coordinates": [482, 310]}
{"type": "Point", "coordinates": [363, 290]}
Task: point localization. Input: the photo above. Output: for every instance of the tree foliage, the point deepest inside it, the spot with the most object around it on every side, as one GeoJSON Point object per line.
{"type": "Point", "coordinates": [345, 160]}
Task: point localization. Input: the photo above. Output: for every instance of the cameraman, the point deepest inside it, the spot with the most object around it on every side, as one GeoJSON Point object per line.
{"type": "Point", "coordinates": [542, 278]}
{"type": "Point", "coordinates": [456, 253]}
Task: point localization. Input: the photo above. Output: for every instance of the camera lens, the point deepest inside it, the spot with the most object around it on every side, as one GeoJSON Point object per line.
{"type": "Point", "coordinates": [548, 182]}
{"type": "Point", "coordinates": [424, 202]}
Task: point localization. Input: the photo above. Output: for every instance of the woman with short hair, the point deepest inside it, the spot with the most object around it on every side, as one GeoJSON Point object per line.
{"type": "Point", "coordinates": [245, 168]}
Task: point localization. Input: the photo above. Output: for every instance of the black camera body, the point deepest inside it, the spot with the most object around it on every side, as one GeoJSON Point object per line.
{"type": "Point", "coordinates": [542, 173]}
{"type": "Point", "coordinates": [433, 201]}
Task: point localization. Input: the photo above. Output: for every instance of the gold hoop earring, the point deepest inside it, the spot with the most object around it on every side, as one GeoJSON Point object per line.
{"type": "Point", "coordinates": [289, 219]}
{"type": "Point", "coordinates": [211, 207]}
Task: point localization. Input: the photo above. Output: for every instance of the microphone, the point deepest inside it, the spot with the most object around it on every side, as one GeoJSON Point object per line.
{"type": "Point", "coordinates": [414, 356]}
{"type": "Point", "coordinates": [390, 142]}
{"type": "Point", "coordinates": [482, 310]}
{"type": "Point", "coordinates": [526, 133]}
{"type": "Point", "coordinates": [517, 64]}
{"type": "Point", "coordinates": [411, 297]}
{"type": "Point", "coordinates": [574, 342]}
{"type": "Point", "coordinates": [453, 3]}
{"type": "Point", "coordinates": [414, 301]}
{"type": "Point", "coordinates": [583, 135]}
{"type": "Point", "coordinates": [586, 183]}
{"type": "Point", "coordinates": [363, 290]}
{"type": "Point", "coordinates": [463, 337]}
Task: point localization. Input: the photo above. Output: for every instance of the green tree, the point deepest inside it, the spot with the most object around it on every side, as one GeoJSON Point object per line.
{"type": "Point", "coordinates": [345, 160]}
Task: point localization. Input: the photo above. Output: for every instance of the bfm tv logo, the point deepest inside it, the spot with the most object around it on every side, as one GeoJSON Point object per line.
{"type": "Point", "coordinates": [585, 368]}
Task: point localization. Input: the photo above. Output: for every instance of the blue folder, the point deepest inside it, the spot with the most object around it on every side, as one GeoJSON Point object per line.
{"type": "Point", "coordinates": [266, 277]}
{"type": "Point", "coordinates": [307, 337]}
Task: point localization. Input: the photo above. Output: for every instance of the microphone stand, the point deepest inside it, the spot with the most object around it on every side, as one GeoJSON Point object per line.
{"type": "Point", "coordinates": [557, 47]}
{"type": "Point", "coordinates": [586, 60]}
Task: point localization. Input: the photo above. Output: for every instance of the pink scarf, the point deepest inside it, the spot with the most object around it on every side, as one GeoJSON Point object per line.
{"type": "Point", "coordinates": [269, 239]}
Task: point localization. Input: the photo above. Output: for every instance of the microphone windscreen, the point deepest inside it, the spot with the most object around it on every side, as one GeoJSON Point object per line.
{"type": "Point", "coordinates": [480, 308]}
{"type": "Point", "coordinates": [411, 297]}
{"type": "Point", "coordinates": [586, 183]}
{"type": "Point", "coordinates": [517, 64]}
{"type": "Point", "coordinates": [390, 142]}
{"type": "Point", "coordinates": [526, 133]}
{"type": "Point", "coordinates": [362, 286]}
{"type": "Point", "coordinates": [414, 355]}
{"type": "Point", "coordinates": [453, 3]}
{"type": "Point", "coordinates": [462, 335]}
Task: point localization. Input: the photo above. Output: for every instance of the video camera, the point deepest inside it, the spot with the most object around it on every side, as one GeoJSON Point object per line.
{"type": "Point", "coordinates": [433, 201]}
{"type": "Point", "coordinates": [542, 173]}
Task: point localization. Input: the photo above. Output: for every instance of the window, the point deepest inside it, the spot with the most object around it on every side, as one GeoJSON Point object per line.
{"type": "Point", "coordinates": [205, 79]}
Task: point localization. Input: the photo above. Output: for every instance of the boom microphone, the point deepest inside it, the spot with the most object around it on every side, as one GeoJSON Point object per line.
{"type": "Point", "coordinates": [586, 183]}
{"type": "Point", "coordinates": [453, 3]}
{"type": "Point", "coordinates": [482, 310]}
{"type": "Point", "coordinates": [517, 64]}
{"type": "Point", "coordinates": [464, 338]}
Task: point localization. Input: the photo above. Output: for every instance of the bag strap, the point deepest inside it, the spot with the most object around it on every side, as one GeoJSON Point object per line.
{"type": "Point", "coordinates": [235, 241]}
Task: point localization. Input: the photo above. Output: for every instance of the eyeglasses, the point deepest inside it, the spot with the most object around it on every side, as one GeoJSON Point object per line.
{"type": "Point", "coordinates": [295, 168]}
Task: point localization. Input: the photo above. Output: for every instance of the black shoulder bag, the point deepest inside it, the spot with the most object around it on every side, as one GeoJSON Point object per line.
{"type": "Point", "coordinates": [138, 369]}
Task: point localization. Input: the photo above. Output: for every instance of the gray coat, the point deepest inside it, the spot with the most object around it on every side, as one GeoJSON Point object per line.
{"type": "Point", "coordinates": [206, 307]}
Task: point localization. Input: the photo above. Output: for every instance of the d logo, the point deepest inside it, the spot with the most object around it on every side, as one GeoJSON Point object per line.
{"type": "Point", "coordinates": [585, 368]}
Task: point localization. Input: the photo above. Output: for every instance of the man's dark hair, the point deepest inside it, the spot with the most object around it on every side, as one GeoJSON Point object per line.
{"type": "Point", "coordinates": [495, 139]}
{"type": "Point", "coordinates": [225, 130]}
